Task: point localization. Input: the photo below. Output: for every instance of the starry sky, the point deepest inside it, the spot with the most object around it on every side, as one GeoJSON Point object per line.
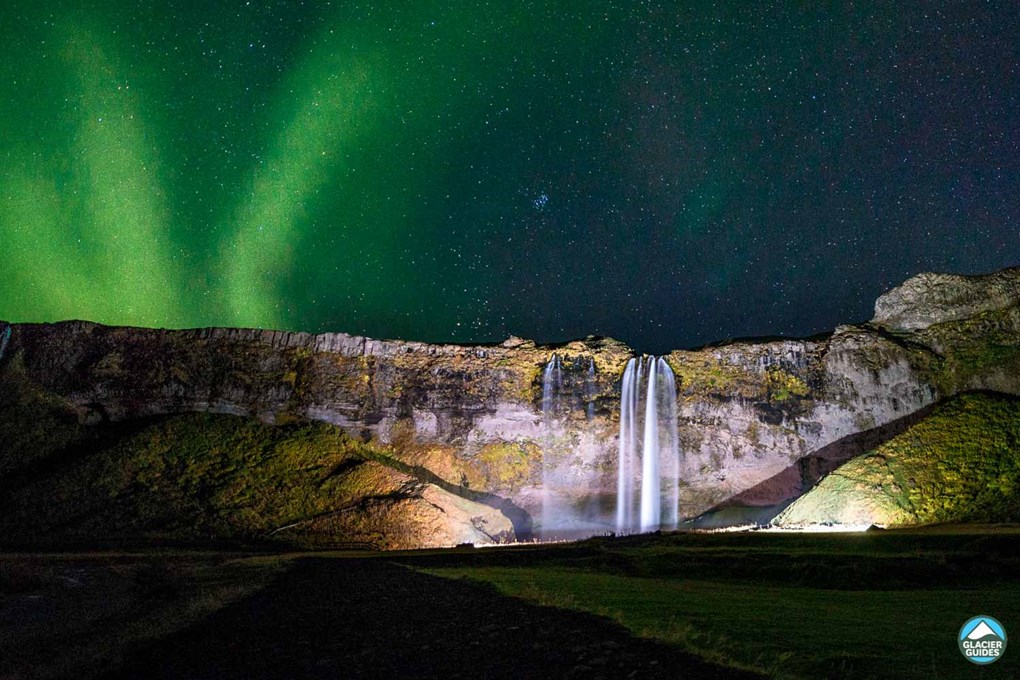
{"type": "Point", "coordinates": [666, 173]}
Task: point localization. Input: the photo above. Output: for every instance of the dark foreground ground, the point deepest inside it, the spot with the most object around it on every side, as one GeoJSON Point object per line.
{"type": "Point", "coordinates": [369, 618]}
{"type": "Point", "coordinates": [854, 606]}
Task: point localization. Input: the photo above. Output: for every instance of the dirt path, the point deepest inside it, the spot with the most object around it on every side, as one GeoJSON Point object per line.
{"type": "Point", "coordinates": [369, 618]}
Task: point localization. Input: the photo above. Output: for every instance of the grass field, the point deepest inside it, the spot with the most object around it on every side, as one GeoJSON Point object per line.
{"type": "Point", "coordinates": [880, 604]}
{"type": "Point", "coordinates": [875, 605]}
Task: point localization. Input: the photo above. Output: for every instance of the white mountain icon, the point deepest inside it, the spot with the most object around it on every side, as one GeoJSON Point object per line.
{"type": "Point", "coordinates": [981, 630]}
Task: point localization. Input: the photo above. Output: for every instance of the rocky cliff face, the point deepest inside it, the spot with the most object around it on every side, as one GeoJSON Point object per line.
{"type": "Point", "coordinates": [758, 421]}
{"type": "Point", "coordinates": [928, 300]}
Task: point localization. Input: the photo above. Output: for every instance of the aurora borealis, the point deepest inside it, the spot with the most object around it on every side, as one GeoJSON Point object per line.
{"type": "Point", "coordinates": [664, 173]}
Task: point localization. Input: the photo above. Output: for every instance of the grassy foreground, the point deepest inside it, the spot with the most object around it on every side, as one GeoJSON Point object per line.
{"type": "Point", "coordinates": [884, 604]}
{"type": "Point", "coordinates": [876, 605]}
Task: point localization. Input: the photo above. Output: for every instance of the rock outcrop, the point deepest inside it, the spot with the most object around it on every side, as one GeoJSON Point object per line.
{"type": "Point", "coordinates": [929, 299]}
{"type": "Point", "coordinates": [759, 421]}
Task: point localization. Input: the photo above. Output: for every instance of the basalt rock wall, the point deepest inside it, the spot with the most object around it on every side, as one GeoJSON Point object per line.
{"type": "Point", "coordinates": [758, 420]}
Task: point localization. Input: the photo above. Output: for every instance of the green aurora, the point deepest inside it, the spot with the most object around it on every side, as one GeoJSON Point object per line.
{"type": "Point", "coordinates": [463, 171]}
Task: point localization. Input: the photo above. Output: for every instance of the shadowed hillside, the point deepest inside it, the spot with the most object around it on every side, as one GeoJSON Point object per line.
{"type": "Point", "coordinates": [213, 478]}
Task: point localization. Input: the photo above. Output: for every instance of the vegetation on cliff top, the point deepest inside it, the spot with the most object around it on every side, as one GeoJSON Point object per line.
{"type": "Point", "coordinates": [975, 348]}
{"type": "Point", "coordinates": [961, 463]}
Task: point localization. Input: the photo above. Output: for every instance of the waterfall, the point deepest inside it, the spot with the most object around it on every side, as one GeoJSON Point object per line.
{"type": "Point", "coordinates": [5, 337]}
{"type": "Point", "coordinates": [590, 390]}
{"type": "Point", "coordinates": [552, 379]}
{"type": "Point", "coordinates": [671, 449]}
{"type": "Point", "coordinates": [650, 502]}
{"type": "Point", "coordinates": [624, 474]}
{"type": "Point", "coordinates": [647, 482]}
{"type": "Point", "coordinates": [658, 446]}
{"type": "Point", "coordinates": [552, 382]}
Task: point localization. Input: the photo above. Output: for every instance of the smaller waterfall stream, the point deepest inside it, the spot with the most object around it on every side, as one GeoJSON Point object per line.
{"type": "Point", "coordinates": [671, 456]}
{"type": "Point", "coordinates": [590, 390]}
{"type": "Point", "coordinates": [5, 337]}
{"type": "Point", "coordinates": [625, 461]}
{"type": "Point", "coordinates": [552, 380]}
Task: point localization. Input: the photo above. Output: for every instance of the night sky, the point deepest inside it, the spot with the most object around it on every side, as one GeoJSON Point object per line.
{"type": "Point", "coordinates": [463, 171]}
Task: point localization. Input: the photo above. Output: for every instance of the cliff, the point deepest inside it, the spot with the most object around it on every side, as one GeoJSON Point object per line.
{"type": "Point", "coordinates": [759, 421]}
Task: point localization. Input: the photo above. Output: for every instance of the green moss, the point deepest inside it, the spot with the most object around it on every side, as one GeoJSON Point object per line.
{"type": "Point", "coordinates": [525, 387]}
{"type": "Point", "coordinates": [699, 375]}
{"type": "Point", "coordinates": [963, 364]}
{"type": "Point", "coordinates": [975, 347]}
{"type": "Point", "coordinates": [199, 475]}
{"type": "Point", "coordinates": [781, 385]}
{"type": "Point", "coordinates": [33, 424]}
{"type": "Point", "coordinates": [962, 463]}
{"type": "Point", "coordinates": [507, 465]}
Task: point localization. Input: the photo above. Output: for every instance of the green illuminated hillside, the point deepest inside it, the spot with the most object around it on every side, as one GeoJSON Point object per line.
{"type": "Point", "coordinates": [961, 463]}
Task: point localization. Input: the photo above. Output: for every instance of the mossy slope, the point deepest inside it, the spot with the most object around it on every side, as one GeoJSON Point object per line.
{"type": "Point", "coordinates": [962, 463]}
{"type": "Point", "coordinates": [214, 477]}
